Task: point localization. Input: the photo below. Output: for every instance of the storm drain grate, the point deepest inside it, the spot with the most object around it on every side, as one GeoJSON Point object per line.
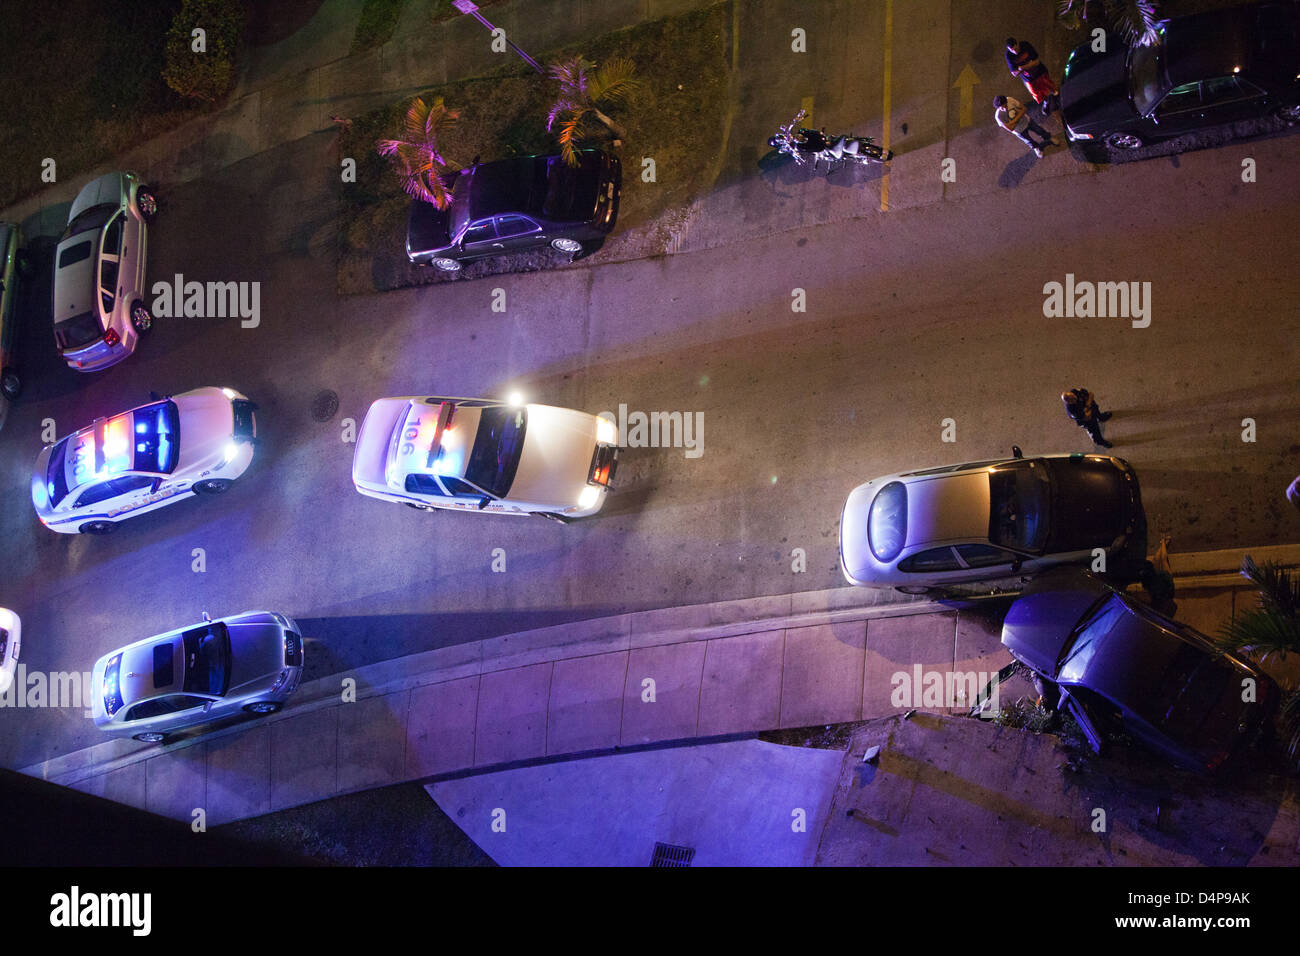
{"type": "Point", "coordinates": [668, 855]}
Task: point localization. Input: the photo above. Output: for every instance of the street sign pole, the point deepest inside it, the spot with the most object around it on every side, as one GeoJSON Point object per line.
{"type": "Point", "coordinates": [467, 6]}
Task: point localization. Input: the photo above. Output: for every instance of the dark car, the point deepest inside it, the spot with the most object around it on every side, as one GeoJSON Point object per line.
{"type": "Point", "coordinates": [1207, 70]}
{"type": "Point", "coordinates": [1119, 666]}
{"type": "Point", "coordinates": [515, 204]}
{"type": "Point", "coordinates": [10, 267]}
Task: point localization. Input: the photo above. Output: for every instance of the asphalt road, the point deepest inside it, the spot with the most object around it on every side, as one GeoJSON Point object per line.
{"type": "Point", "coordinates": [930, 311]}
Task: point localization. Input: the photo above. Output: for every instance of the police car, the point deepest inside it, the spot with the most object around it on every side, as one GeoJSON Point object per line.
{"type": "Point", "coordinates": [11, 632]}
{"type": "Point", "coordinates": [246, 663]}
{"type": "Point", "coordinates": [478, 454]}
{"type": "Point", "coordinates": [195, 443]}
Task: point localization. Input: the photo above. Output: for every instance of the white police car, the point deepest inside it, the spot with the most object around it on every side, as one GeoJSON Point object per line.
{"type": "Point", "coordinates": [246, 663]}
{"type": "Point", "coordinates": [195, 443]}
{"type": "Point", "coordinates": [478, 454]}
{"type": "Point", "coordinates": [11, 633]}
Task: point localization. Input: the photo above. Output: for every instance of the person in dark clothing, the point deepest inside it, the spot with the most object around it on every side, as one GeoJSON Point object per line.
{"type": "Point", "coordinates": [1081, 406]}
{"type": "Point", "coordinates": [1022, 61]}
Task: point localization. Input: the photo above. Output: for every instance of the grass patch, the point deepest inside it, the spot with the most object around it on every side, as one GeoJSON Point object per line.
{"type": "Point", "coordinates": [677, 119]}
{"type": "Point", "coordinates": [92, 86]}
{"type": "Point", "coordinates": [377, 23]}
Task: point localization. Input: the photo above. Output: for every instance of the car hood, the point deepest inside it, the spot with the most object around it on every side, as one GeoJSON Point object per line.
{"type": "Point", "coordinates": [109, 188]}
{"type": "Point", "coordinates": [556, 460]}
{"type": "Point", "coordinates": [1039, 622]}
{"type": "Point", "coordinates": [1094, 91]}
{"type": "Point", "coordinates": [855, 546]}
{"type": "Point", "coordinates": [428, 228]}
{"type": "Point", "coordinates": [1090, 504]}
{"type": "Point", "coordinates": [207, 424]}
{"type": "Point", "coordinates": [256, 650]}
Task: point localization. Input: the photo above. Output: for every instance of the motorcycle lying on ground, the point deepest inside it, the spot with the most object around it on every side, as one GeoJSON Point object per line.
{"type": "Point", "coordinates": [803, 144]}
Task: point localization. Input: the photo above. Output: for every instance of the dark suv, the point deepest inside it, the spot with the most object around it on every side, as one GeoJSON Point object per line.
{"type": "Point", "coordinates": [1207, 70]}
{"type": "Point", "coordinates": [516, 204]}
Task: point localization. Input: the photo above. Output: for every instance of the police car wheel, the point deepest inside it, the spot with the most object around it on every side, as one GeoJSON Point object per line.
{"type": "Point", "coordinates": [412, 504]}
{"type": "Point", "coordinates": [98, 527]}
{"type": "Point", "coordinates": [151, 738]}
{"type": "Point", "coordinates": [212, 486]}
{"type": "Point", "coordinates": [552, 516]}
{"type": "Point", "coordinates": [262, 707]}
{"type": "Point", "coordinates": [10, 384]}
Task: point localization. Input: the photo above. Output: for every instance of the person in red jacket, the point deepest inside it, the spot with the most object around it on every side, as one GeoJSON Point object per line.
{"type": "Point", "coordinates": [1022, 61]}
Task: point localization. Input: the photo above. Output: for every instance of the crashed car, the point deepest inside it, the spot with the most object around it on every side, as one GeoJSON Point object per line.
{"type": "Point", "coordinates": [1118, 666]}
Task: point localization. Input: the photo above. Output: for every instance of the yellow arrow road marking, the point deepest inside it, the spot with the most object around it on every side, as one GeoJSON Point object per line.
{"type": "Point", "coordinates": [966, 82]}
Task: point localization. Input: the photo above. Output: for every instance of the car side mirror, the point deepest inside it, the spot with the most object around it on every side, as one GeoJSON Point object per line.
{"type": "Point", "coordinates": [484, 502]}
{"type": "Point", "coordinates": [157, 483]}
{"type": "Point", "coordinates": [1016, 452]}
{"type": "Point", "coordinates": [1016, 566]}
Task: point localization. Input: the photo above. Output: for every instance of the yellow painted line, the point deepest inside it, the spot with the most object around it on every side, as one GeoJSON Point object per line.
{"type": "Point", "coordinates": [884, 136]}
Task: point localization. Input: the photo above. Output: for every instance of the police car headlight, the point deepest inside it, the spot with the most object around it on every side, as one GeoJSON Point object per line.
{"type": "Point", "coordinates": [590, 495]}
{"type": "Point", "coordinates": [606, 431]}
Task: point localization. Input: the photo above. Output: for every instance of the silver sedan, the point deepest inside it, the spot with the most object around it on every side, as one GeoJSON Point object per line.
{"type": "Point", "coordinates": [195, 675]}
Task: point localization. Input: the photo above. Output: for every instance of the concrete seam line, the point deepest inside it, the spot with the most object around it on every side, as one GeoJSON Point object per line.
{"type": "Point", "coordinates": [478, 696]}
{"type": "Point", "coordinates": [622, 710]}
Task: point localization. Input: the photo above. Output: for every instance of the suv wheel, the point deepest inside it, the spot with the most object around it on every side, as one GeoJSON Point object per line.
{"type": "Point", "coordinates": [141, 320]}
{"type": "Point", "coordinates": [262, 707]}
{"type": "Point", "coordinates": [1125, 141]}
{"type": "Point", "coordinates": [98, 527]}
{"type": "Point", "coordinates": [212, 486]}
{"type": "Point", "coordinates": [10, 384]}
{"type": "Point", "coordinates": [147, 203]}
{"type": "Point", "coordinates": [446, 265]}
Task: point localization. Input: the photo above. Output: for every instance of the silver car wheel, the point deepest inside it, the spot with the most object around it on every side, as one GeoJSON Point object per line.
{"type": "Point", "coordinates": [10, 384]}
{"type": "Point", "coordinates": [570, 246]}
{"type": "Point", "coordinates": [151, 738]}
{"type": "Point", "coordinates": [140, 318]}
{"type": "Point", "coordinates": [446, 265]}
{"type": "Point", "coordinates": [1124, 140]}
{"type": "Point", "coordinates": [146, 203]}
{"type": "Point", "coordinates": [262, 707]}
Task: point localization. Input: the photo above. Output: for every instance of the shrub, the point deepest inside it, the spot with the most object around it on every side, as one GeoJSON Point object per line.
{"type": "Point", "coordinates": [206, 75]}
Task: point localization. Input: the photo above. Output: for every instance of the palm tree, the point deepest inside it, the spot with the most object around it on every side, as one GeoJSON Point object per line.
{"type": "Point", "coordinates": [1134, 20]}
{"type": "Point", "coordinates": [418, 156]}
{"type": "Point", "coordinates": [1271, 627]}
{"type": "Point", "coordinates": [582, 86]}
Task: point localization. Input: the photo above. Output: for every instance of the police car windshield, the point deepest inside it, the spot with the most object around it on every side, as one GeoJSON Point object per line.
{"type": "Point", "coordinates": [207, 659]}
{"type": "Point", "coordinates": [498, 446]}
{"type": "Point", "coordinates": [156, 432]}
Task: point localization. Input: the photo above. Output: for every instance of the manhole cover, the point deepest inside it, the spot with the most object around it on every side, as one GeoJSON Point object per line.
{"type": "Point", "coordinates": [324, 405]}
{"type": "Point", "coordinates": [666, 854]}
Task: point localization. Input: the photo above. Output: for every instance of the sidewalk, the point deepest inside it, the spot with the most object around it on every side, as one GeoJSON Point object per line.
{"type": "Point", "coordinates": [673, 674]}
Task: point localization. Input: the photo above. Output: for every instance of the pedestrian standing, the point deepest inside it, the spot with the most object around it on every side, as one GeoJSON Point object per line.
{"type": "Point", "coordinates": [1081, 406]}
{"type": "Point", "coordinates": [1023, 62]}
{"type": "Point", "coordinates": [1012, 116]}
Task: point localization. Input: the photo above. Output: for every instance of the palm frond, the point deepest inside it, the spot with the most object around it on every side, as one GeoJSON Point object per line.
{"type": "Point", "coordinates": [1134, 20]}
{"type": "Point", "coordinates": [419, 156]}
{"type": "Point", "coordinates": [614, 81]}
{"type": "Point", "coordinates": [1288, 721]}
{"type": "Point", "coordinates": [1273, 626]}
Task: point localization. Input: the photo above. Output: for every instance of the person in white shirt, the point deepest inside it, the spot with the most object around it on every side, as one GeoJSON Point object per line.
{"type": "Point", "coordinates": [1012, 116]}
